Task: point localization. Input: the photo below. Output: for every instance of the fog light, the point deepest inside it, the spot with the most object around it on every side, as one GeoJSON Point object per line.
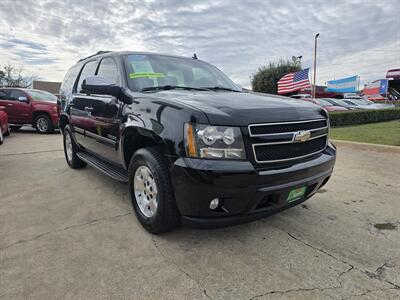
{"type": "Point", "coordinates": [214, 203]}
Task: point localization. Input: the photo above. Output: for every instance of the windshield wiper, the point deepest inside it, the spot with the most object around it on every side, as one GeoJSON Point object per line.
{"type": "Point", "coordinates": [170, 87]}
{"type": "Point", "coordinates": [219, 88]}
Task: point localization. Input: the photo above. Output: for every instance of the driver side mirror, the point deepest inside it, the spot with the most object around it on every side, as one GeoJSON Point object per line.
{"type": "Point", "coordinates": [23, 99]}
{"type": "Point", "coordinates": [102, 86]}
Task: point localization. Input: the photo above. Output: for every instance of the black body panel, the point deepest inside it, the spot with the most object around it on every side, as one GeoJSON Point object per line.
{"type": "Point", "coordinates": [111, 130]}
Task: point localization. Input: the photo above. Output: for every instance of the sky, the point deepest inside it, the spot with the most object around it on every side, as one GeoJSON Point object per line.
{"type": "Point", "coordinates": [46, 37]}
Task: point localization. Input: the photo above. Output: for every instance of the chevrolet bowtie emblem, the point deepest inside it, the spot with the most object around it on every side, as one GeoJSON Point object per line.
{"type": "Point", "coordinates": [302, 136]}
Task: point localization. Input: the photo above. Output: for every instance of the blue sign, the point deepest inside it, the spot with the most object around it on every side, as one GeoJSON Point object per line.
{"type": "Point", "coordinates": [384, 86]}
{"type": "Point", "coordinates": [343, 85]}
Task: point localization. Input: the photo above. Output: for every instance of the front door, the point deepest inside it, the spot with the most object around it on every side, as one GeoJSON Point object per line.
{"type": "Point", "coordinates": [17, 106]}
{"type": "Point", "coordinates": [102, 136]}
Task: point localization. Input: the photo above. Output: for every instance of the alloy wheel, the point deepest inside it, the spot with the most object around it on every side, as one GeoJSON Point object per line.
{"type": "Point", "coordinates": [68, 147]}
{"type": "Point", "coordinates": [42, 124]}
{"type": "Point", "coordinates": [145, 189]}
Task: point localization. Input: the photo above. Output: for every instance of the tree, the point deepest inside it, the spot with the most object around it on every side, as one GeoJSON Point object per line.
{"type": "Point", "coordinates": [11, 76]}
{"type": "Point", "coordinates": [265, 80]}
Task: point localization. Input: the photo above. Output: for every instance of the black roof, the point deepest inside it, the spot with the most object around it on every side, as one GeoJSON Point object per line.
{"type": "Point", "coordinates": [98, 53]}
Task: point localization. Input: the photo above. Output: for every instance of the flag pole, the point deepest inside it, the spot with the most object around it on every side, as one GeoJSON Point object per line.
{"type": "Point", "coordinates": [315, 64]}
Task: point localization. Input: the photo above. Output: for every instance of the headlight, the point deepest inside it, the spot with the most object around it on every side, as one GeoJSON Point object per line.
{"type": "Point", "coordinates": [207, 141]}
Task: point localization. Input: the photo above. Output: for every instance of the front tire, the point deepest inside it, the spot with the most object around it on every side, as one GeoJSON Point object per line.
{"type": "Point", "coordinates": [70, 150]}
{"type": "Point", "coordinates": [151, 191]}
{"type": "Point", "coordinates": [43, 124]}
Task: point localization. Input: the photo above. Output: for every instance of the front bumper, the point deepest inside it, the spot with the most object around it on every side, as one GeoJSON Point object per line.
{"type": "Point", "coordinates": [246, 193]}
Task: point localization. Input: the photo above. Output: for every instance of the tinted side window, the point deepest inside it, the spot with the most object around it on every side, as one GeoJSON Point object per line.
{"type": "Point", "coordinates": [108, 69]}
{"type": "Point", "coordinates": [88, 70]}
{"type": "Point", "coordinates": [3, 95]}
{"type": "Point", "coordinates": [69, 80]}
{"type": "Point", "coordinates": [15, 94]}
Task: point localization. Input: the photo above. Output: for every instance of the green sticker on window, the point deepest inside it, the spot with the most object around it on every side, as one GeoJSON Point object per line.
{"type": "Point", "coordinates": [145, 75]}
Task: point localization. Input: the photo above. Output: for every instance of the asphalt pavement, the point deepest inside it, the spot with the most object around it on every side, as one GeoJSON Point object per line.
{"type": "Point", "coordinates": [71, 234]}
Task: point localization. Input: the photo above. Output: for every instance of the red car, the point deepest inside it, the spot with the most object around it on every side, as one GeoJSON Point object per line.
{"type": "Point", "coordinates": [28, 106]}
{"type": "Point", "coordinates": [4, 130]}
{"type": "Point", "coordinates": [325, 104]}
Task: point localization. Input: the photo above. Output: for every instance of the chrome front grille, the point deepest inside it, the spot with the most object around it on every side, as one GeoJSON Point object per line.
{"type": "Point", "coordinates": [287, 127]}
{"type": "Point", "coordinates": [284, 141]}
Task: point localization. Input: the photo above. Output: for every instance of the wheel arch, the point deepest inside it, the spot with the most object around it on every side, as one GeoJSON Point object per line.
{"type": "Point", "coordinates": [37, 113]}
{"type": "Point", "coordinates": [135, 138]}
{"type": "Point", "coordinates": [64, 121]}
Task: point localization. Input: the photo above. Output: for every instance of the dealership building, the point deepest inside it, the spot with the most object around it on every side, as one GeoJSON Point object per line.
{"type": "Point", "coordinates": [49, 86]}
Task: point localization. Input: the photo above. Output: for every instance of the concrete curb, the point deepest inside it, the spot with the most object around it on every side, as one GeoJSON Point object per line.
{"type": "Point", "coordinates": [366, 146]}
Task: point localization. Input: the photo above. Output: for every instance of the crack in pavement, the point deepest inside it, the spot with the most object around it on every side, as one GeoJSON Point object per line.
{"type": "Point", "coordinates": [295, 290]}
{"type": "Point", "coordinates": [372, 275]}
{"type": "Point", "coordinates": [33, 152]}
{"type": "Point", "coordinates": [170, 260]}
{"type": "Point", "coordinates": [64, 229]}
{"type": "Point", "coordinates": [377, 274]}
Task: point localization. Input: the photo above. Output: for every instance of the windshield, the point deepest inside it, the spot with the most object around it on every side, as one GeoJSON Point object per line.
{"type": "Point", "coordinates": [331, 102]}
{"type": "Point", "coordinates": [350, 102]}
{"type": "Point", "coordinates": [323, 103]}
{"type": "Point", "coordinates": [38, 95]}
{"type": "Point", "coordinates": [145, 71]}
{"type": "Point", "coordinates": [365, 101]}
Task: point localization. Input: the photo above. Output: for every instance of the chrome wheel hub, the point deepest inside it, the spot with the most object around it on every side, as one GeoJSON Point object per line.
{"type": "Point", "coordinates": [42, 124]}
{"type": "Point", "coordinates": [145, 190]}
{"type": "Point", "coordinates": [68, 147]}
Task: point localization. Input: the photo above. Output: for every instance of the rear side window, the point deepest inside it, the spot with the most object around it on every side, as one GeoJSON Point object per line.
{"type": "Point", "coordinates": [38, 95]}
{"type": "Point", "coordinates": [108, 69]}
{"type": "Point", "coordinates": [69, 80]}
{"type": "Point", "coordinates": [88, 70]}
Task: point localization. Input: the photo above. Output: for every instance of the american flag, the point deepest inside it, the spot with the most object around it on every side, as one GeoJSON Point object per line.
{"type": "Point", "coordinates": [293, 82]}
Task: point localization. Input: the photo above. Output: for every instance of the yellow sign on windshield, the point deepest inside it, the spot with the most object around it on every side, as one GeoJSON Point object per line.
{"type": "Point", "coordinates": [145, 75]}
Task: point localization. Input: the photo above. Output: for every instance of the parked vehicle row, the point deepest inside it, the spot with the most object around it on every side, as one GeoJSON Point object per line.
{"type": "Point", "coordinates": [30, 107]}
{"type": "Point", "coordinates": [348, 103]}
{"type": "Point", "coordinates": [358, 103]}
{"type": "Point", "coordinates": [325, 104]}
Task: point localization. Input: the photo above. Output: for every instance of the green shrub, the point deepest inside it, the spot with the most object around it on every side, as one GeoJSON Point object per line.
{"type": "Point", "coordinates": [265, 80]}
{"type": "Point", "coordinates": [354, 117]}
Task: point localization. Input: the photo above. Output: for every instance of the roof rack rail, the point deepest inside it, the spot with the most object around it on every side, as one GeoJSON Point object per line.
{"type": "Point", "coordinates": [98, 53]}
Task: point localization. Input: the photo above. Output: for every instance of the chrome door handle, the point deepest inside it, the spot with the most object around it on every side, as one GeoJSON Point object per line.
{"type": "Point", "coordinates": [9, 104]}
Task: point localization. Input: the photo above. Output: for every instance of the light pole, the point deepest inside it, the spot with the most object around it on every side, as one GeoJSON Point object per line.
{"type": "Point", "coordinates": [315, 64]}
{"type": "Point", "coordinates": [297, 59]}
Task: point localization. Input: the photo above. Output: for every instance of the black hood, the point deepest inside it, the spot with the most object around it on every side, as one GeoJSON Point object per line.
{"type": "Point", "coordinates": [242, 109]}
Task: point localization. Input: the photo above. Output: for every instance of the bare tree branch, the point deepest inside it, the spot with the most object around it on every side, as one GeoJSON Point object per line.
{"type": "Point", "coordinates": [12, 76]}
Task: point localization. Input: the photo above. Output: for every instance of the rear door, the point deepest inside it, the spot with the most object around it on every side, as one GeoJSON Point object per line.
{"type": "Point", "coordinates": [103, 135]}
{"type": "Point", "coordinates": [80, 106]}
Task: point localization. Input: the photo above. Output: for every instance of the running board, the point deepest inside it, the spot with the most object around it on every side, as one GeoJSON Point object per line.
{"type": "Point", "coordinates": [107, 168]}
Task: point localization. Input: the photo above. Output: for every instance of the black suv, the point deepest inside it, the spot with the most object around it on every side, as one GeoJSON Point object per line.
{"type": "Point", "coordinates": [193, 147]}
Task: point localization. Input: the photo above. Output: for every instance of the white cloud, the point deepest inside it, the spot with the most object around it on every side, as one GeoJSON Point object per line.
{"type": "Point", "coordinates": [357, 37]}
